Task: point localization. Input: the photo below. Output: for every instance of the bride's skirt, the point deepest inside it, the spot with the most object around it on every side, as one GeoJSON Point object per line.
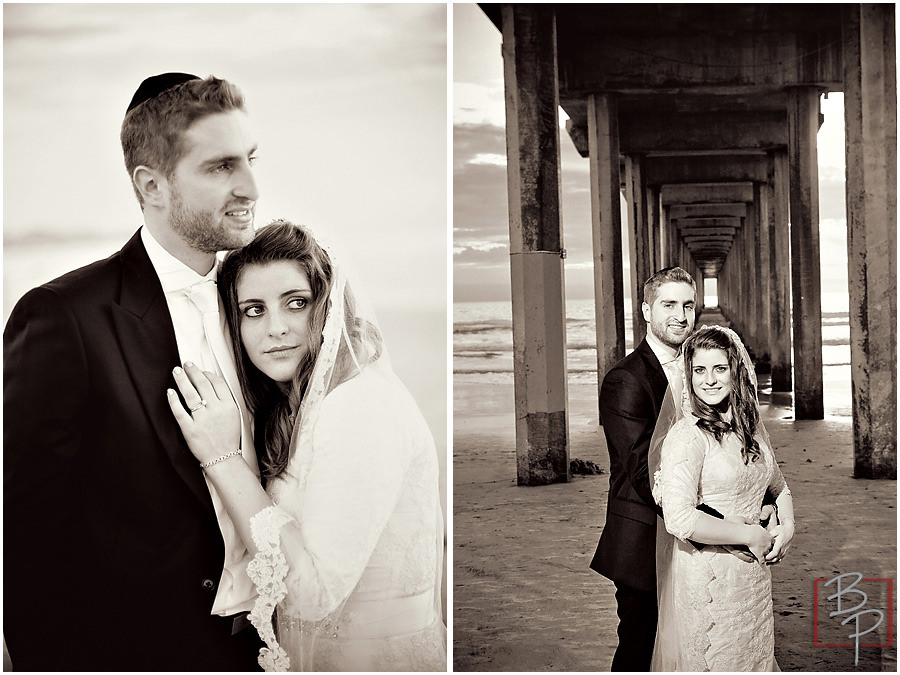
{"type": "Point", "coordinates": [715, 614]}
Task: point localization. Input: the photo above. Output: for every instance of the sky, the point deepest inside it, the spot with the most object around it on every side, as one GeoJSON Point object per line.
{"type": "Point", "coordinates": [349, 104]}
{"type": "Point", "coordinates": [480, 212]}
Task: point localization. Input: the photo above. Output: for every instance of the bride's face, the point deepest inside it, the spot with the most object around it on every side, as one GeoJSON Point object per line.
{"type": "Point", "coordinates": [275, 300]}
{"type": "Point", "coordinates": [711, 376]}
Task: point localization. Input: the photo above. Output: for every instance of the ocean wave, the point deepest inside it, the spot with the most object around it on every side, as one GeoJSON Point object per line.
{"type": "Point", "coordinates": [480, 328]}
{"type": "Point", "coordinates": [488, 371]}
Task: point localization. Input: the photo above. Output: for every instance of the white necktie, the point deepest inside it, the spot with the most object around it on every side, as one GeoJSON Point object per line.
{"type": "Point", "coordinates": [675, 374]}
{"type": "Point", "coordinates": [235, 588]}
{"type": "Point", "coordinates": [206, 298]}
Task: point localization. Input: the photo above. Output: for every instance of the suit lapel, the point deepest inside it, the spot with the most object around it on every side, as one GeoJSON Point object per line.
{"type": "Point", "coordinates": [147, 340]}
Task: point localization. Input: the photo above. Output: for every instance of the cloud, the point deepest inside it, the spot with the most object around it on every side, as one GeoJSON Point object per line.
{"type": "Point", "coordinates": [478, 104]}
{"type": "Point", "coordinates": [483, 246]}
{"type": "Point", "coordinates": [489, 158]}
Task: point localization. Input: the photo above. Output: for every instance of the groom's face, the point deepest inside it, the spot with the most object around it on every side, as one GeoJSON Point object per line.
{"type": "Point", "coordinates": [212, 191]}
{"type": "Point", "coordinates": [671, 314]}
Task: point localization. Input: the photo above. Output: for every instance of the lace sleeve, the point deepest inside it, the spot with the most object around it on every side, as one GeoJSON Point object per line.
{"type": "Point", "coordinates": [777, 484]}
{"type": "Point", "coordinates": [678, 482]}
{"type": "Point", "coordinates": [267, 571]}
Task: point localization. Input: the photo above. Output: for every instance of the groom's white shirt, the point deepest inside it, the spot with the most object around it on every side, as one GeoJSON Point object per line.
{"type": "Point", "coordinates": [672, 362]}
{"type": "Point", "coordinates": [236, 593]}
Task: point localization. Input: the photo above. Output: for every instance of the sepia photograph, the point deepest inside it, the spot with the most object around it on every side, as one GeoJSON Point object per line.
{"type": "Point", "coordinates": [225, 283]}
{"type": "Point", "coordinates": [429, 337]}
{"type": "Point", "coordinates": [674, 337]}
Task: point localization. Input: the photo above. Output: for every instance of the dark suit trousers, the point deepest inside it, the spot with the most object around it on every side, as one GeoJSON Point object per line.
{"type": "Point", "coordinates": [637, 629]}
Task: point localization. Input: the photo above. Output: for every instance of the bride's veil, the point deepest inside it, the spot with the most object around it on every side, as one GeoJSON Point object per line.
{"type": "Point", "coordinates": [351, 343]}
{"type": "Point", "coordinates": [667, 639]}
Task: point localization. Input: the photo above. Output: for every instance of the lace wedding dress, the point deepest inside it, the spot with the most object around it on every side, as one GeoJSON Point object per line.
{"type": "Point", "coordinates": [351, 551]}
{"type": "Point", "coordinates": [715, 609]}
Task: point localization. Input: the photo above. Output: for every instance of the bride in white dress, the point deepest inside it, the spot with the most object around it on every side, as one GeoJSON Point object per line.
{"type": "Point", "coordinates": [715, 610]}
{"type": "Point", "coordinates": [347, 536]}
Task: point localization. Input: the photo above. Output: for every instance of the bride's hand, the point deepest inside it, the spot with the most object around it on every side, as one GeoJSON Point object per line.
{"type": "Point", "coordinates": [212, 423]}
{"type": "Point", "coordinates": [739, 552]}
{"type": "Point", "coordinates": [768, 517]}
{"type": "Point", "coordinates": [784, 536]}
{"type": "Point", "coordinates": [760, 542]}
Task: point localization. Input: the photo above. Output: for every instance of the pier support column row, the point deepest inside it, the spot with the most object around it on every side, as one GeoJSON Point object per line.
{"type": "Point", "coordinates": [536, 244]}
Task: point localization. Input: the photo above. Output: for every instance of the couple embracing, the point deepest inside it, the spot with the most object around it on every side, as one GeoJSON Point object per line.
{"type": "Point", "coordinates": [698, 508]}
{"type": "Point", "coordinates": [212, 467]}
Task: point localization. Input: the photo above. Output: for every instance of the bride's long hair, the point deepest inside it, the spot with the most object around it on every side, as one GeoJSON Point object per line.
{"type": "Point", "coordinates": [744, 406]}
{"type": "Point", "coordinates": [275, 411]}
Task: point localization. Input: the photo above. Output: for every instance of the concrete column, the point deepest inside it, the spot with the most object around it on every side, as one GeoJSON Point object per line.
{"type": "Point", "coordinates": [759, 286]}
{"type": "Point", "coordinates": [606, 228]}
{"type": "Point", "coordinates": [725, 285]}
{"type": "Point", "coordinates": [753, 321]}
{"type": "Point", "coordinates": [698, 279]}
{"type": "Point", "coordinates": [638, 245]}
{"type": "Point", "coordinates": [538, 292]}
{"type": "Point", "coordinates": [735, 258]}
{"type": "Point", "coordinates": [870, 117]}
{"type": "Point", "coordinates": [780, 273]}
{"type": "Point", "coordinates": [736, 278]}
{"type": "Point", "coordinates": [761, 197]}
{"type": "Point", "coordinates": [803, 124]}
{"type": "Point", "coordinates": [689, 266]}
{"type": "Point", "coordinates": [722, 283]}
{"type": "Point", "coordinates": [744, 277]}
{"type": "Point", "coordinates": [701, 289]}
{"type": "Point", "coordinates": [665, 237]}
{"type": "Point", "coordinates": [653, 228]}
{"type": "Point", "coordinates": [673, 243]}
{"type": "Point", "coordinates": [745, 288]}
{"type": "Point", "coordinates": [722, 286]}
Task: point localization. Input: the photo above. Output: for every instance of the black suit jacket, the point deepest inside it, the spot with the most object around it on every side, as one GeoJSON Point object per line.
{"type": "Point", "coordinates": [630, 399]}
{"type": "Point", "coordinates": [112, 551]}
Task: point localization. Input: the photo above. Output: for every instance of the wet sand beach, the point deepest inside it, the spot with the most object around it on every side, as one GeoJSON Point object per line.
{"type": "Point", "coordinates": [524, 598]}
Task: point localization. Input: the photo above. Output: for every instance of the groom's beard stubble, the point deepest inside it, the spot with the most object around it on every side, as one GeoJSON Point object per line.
{"type": "Point", "coordinates": [201, 230]}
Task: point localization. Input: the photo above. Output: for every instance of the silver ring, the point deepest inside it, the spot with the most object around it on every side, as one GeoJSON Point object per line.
{"type": "Point", "coordinates": [197, 407]}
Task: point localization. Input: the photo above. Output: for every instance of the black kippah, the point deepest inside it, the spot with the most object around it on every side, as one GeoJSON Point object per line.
{"type": "Point", "coordinates": [154, 86]}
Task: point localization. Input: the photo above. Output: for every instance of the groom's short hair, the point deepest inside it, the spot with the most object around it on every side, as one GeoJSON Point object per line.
{"type": "Point", "coordinates": [664, 276]}
{"type": "Point", "coordinates": [153, 130]}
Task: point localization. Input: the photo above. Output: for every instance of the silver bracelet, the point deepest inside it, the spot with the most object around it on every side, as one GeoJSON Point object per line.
{"type": "Point", "coordinates": [206, 465]}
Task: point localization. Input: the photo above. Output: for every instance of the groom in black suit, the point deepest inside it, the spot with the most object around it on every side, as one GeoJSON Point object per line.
{"type": "Point", "coordinates": [116, 555]}
{"type": "Point", "coordinates": [630, 399]}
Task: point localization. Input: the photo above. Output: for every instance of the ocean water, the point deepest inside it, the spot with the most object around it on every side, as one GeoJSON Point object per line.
{"type": "Point", "coordinates": [483, 350]}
